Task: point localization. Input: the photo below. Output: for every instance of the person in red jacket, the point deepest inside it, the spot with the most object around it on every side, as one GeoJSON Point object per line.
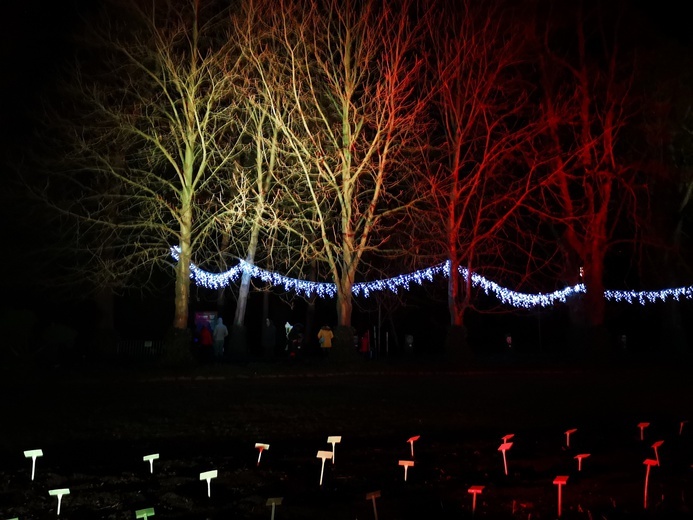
{"type": "Point", "coordinates": [365, 347]}
{"type": "Point", "coordinates": [206, 341]}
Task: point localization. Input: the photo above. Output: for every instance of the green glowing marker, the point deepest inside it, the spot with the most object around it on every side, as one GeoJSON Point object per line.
{"type": "Point", "coordinates": [144, 513]}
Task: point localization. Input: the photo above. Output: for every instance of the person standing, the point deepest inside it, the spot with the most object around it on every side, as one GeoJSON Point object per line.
{"type": "Point", "coordinates": [206, 342]}
{"type": "Point", "coordinates": [325, 336]}
{"type": "Point", "coordinates": [220, 333]}
{"type": "Point", "coordinates": [365, 348]}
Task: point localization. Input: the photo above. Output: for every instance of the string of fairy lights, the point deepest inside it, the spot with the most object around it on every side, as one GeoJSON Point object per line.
{"type": "Point", "coordinates": [404, 281]}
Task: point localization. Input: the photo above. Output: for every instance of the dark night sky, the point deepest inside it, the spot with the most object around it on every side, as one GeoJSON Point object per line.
{"type": "Point", "coordinates": [35, 40]}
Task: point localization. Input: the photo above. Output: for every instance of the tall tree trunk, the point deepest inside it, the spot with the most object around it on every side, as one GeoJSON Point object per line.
{"type": "Point", "coordinates": [244, 289]}
{"type": "Point", "coordinates": [182, 295]}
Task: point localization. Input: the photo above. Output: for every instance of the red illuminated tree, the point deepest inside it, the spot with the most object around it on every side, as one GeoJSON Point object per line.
{"type": "Point", "coordinates": [594, 195]}
{"type": "Point", "coordinates": [479, 179]}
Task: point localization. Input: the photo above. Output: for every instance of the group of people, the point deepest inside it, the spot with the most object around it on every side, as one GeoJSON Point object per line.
{"type": "Point", "coordinates": [296, 339]}
{"type": "Point", "coordinates": [212, 338]}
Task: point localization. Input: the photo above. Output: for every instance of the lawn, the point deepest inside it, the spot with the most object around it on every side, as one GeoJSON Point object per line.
{"type": "Point", "coordinates": [95, 426]}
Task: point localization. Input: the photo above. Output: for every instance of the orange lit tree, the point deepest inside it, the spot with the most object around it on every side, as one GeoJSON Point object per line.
{"type": "Point", "coordinates": [351, 114]}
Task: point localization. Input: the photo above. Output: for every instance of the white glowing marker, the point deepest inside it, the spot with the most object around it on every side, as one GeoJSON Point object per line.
{"type": "Point", "coordinates": [151, 458]}
{"type": "Point", "coordinates": [59, 493]}
{"type": "Point", "coordinates": [273, 503]}
{"type": "Point", "coordinates": [324, 455]}
{"type": "Point", "coordinates": [33, 454]}
{"type": "Point", "coordinates": [407, 464]}
{"type": "Point", "coordinates": [208, 476]}
{"type": "Point", "coordinates": [334, 439]}
{"type": "Point", "coordinates": [260, 448]}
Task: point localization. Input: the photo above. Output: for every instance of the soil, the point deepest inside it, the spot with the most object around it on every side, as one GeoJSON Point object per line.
{"type": "Point", "coordinates": [95, 426]}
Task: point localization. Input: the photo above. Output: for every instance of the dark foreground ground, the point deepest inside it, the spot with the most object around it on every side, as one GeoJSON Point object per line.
{"type": "Point", "coordinates": [95, 427]}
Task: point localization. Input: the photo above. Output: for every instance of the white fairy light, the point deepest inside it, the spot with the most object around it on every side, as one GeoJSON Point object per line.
{"type": "Point", "coordinates": [403, 281]}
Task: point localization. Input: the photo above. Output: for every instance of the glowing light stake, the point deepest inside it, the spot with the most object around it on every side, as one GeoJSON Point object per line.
{"type": "Point", "coordinates": [681, 427]}
{"type": "Point", "coordinates": [503, 448]}
{"type": "Point", "coordinates": [407, 464]}
{"type": "Point", "coordinates": [560, 482]}
{"type": "Point", "coordinates": [33, 454]}
{"type": "Point", "coordinates": [144, 513]}
{"type": "Point", "coordinates": [567, 436]}
{"type": "Point", "coordinates": [579, 459]}
{"type": "Point", "coordinates": [411, 442]}
{"type": "Point", "coordinates": [372, 496]}
{"type": "Point", "coordinates": [649, 463]}
{"type": "Point", "coordinates": [642, 427]}
{"type": "Point", "coordinates": [507, 437]}
{"type": "Point", "coordinates": [260, 447]}
{"type": "Point", "coordinates": [323, 455]}
{"type": "Point", "coordinates": [655, 447]}
{"type": "Point", "coordinates": [335, 439]}
{"type": "Point", "coordinates": [208, 476]}
{"type": "Point", "coordinates": [151, 458]}
{"type": "Point", "coordinates": [59, 493]}
{"type": "Point", "coordinates": [274, 502]}
{"type": "Point", "coordinates": [475, 490]}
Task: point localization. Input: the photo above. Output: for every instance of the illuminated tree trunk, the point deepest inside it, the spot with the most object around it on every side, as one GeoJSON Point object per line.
{"type": "Point", "coordinates": [350, 119]}
{"type": "Point", "coordinates": [244, 289]}
{"type": "Point", "coordinates": [344, 302]}
{"type": "Point", "coordinates": [182, 293]}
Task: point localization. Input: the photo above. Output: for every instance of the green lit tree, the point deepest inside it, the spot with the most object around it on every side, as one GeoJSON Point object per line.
{"type": "Point", "coordinates": [148, 128]}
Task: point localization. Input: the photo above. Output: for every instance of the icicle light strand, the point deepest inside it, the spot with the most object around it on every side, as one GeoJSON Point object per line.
{"type": "Point", "coordinates": [404, 281]}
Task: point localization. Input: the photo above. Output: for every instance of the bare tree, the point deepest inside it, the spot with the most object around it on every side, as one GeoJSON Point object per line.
{"type": "Point", "coordinates": [594, 195]}
{"type": "Point", "coordinates": [149, 138]}
{"type": "Point", "coordinates": [352, 122]}
{"type": "Point", "coordinates": [481, 176]}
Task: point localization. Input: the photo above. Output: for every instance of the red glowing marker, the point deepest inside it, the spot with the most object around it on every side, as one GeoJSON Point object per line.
{"type": "Point", "coordinates": [503, 448]}
{"type": "Point", "coordinates": [642, 427]}
{"type": "Point", "coordinates": [649, 463]}
{"type": "Point", "coordinates": [567, 436]}
{"type": "Point", "coordinates": [411, 442]}
{"type": "Point", "coordinates": [475, 490]}
{"type": "Point", "coordinates": [560, 482]}
{"type": "Point", "coordinates": [579, 459]}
